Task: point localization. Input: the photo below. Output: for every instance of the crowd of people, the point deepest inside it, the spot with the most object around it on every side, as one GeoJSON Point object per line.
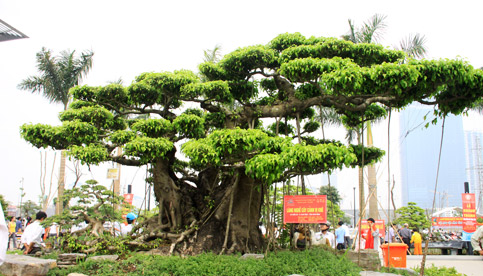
{"type": "Point", "coordinates": [33, 234]}
{"type": "Point", "coordinates": [343, 237]}
{"type": "Point", "coordinates": [30, 235]}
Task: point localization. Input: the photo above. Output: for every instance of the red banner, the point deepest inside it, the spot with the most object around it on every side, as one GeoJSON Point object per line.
{"type": "Point", "coordinates": [469, 213]}
{"type": "Point", "coordinates": [448, 222]}
{"type": "Point", "coordinates": [128, 198]}
{"type": "Point", "coordinates": [305, 209]}
{"type": "Point", "coordinates": [380, 224]}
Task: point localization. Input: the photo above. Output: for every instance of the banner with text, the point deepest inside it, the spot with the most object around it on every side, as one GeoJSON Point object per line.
{"type": "Point", "coordinates": [380, 224]}
{"type": "Point", "coordinates": [447, 222]}
{"type": "Point", "coordinates": [469, 213]}
{"type": "Point", "coordinates": [305, 209]}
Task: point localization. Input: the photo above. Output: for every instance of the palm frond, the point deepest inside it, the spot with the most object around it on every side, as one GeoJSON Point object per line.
{"type": "Point", "coordinates": [414, 45]}
{"type": "Point", "coordinates": [351, 134]}
{"type": "Point", "coordinates": [370, 31]}
{"type": "Point", "coordinates": [213, 55]}
{"type": "Point", "coordinates": [373, 29]}
{"type": "Point", "coordinates": [351, 35]}
{"type": "Point", "coordinates": [328, 116]}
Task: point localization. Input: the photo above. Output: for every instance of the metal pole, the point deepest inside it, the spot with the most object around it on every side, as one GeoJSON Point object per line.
{"type": "Point", "coordinates": [21, 197]}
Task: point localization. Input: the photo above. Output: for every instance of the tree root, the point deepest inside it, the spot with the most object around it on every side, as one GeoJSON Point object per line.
{"type": "Point", "coordinates": [234, 244]}
{"type": "Point", "coordinates": [182, 236]}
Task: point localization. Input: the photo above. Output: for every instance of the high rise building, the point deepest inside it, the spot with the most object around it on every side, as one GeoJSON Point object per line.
{"type": "Point", "coordinates": [420, 148]}
{"type": "Point", "coordinates": [474, 165]}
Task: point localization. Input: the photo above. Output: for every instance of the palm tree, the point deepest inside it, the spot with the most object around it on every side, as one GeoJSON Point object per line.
{"type": "Point", "coordinates": [58, 74]}
{"type": "Point", "coordinates": [370, 32]}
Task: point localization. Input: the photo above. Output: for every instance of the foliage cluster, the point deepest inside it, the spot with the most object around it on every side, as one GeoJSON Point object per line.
{"type": "Point", "coordinates": [428, 271]}
{"type": "Point", "coordinates": [413, 215]}
{"type": "Point", "coordinates": [91, 203]}
{"type": "Point", "coordinates": [4, 204]}
{"type": "Point", "coordinates": [440, 271]}
{"type": "Point", "coordinates": [105, 244]}
{"type": "Point", "coordinates": [310, 262]}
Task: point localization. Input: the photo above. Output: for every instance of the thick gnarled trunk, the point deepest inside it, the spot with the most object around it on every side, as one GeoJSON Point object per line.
{"type": "Point", "coordinates": [206, 210]}
{"type": "Point", "coordinates": [168, 195]}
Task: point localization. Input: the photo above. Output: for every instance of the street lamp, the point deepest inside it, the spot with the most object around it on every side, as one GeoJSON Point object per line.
{"type": "Point", "coordinates": [354, 207]}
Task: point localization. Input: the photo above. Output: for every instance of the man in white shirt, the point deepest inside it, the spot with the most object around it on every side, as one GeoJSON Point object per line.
{"type": "Point", "coordinates": [347, 237]}
{"type": "Point", "coordinates": [32, 236]}
{"type": "Point", "coordinates": [130, 218]}
{"type": "Point", "coordinates": [3, 236]}
{"type": "Point", "coordinates": [476, 240]}
{"type": "Point", "coordinates": [326, 234]}
{"type": "Point", "coordinates": [54, 230]}
{"type": "Point", "coordinates": [390, 234]}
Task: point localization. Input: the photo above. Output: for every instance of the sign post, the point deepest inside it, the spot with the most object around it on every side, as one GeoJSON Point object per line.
{"type": "Point", "coordinates": [305, 209]}
{"type": "Point", "coordinates": [469, 213]}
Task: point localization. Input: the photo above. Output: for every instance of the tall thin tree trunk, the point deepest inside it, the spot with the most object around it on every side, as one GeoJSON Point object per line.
{"type": "Point", "coordinates": [361, 181]}
{"type": "Point", "coordinates": [372, 182]}
{"type": "Point", "coordinates": [61, 184]}
{"type": "Point", "coordinates": [117, 181]}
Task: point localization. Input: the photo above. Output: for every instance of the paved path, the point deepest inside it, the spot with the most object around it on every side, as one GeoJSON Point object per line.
{"type": "Point", "coordinates": [469, 265]}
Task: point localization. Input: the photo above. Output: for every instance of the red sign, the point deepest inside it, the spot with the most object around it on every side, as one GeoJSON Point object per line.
{"type": "Point", "coordinates": [128, 198]}
{"type": "Point", "coordinates": [447, 222]}
{"type": "Point", "coordinates": [305, 209]}
{"type": "Point", "coordinates": [380, 224]}
{"type": "Point", "coordinates": [469, 213]}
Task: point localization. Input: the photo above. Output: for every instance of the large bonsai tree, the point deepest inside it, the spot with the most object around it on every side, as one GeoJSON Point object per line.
{"type": "Point", "coordinates": [213, 200]}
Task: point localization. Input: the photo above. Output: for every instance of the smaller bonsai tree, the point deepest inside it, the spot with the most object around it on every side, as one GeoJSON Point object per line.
{"type": "Point", "coordinates": [95, 205]}
{"type": "Point", "coordinates": [413, 215]}
{"type": "Point", "coordinates": [90, 203]}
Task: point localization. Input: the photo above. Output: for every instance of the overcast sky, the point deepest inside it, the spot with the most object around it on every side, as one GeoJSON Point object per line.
{"type": "Point", "coordinates": [131, 37]}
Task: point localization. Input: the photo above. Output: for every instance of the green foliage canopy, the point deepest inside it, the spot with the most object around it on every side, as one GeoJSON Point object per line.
{"type": "Point", "coordinates": [282, 80]}
{"type": "Point", "coordinates": [413, 215]}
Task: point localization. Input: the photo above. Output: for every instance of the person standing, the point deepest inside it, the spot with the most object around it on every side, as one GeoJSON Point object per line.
{"type": "Point", "coordinates": [477, 240]}
{"type": "Point", "coordinates": [390, 234]}
{"type": "Point", "coordinates": [327, 235]}
{"type": "Point", "coordinates": [340, 236]}
{"type": "Point", "coordinates": [11, 233]}
{"type": "Point", "coordinates": [418, 242]}
{"type": "Point", "coordinates": [372, 241]}
{"type": "Point", "coordinates": [18, 228]}
{"type": "Point", "coordinates": [3, 236]}
{"type": "Point", "coordinates": [347, 238]}
{"type": "Point", "coordinates": [28, 221]}
{"type": "Point", "coordinates": [301, 237]}
{"type": "Point", "coordinates": [405, 234]}
{"type": "Point", "coordinates": [32, 236]}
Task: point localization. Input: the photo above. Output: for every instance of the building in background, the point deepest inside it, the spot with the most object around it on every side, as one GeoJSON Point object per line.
{"type": "Point", "coordinates": [419, 149]}
{"type": "Point", "coordinates": [8, 32]}
{"type": "Point", "coordinates": [474, 165]}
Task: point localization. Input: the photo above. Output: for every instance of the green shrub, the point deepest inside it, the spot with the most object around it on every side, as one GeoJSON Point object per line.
{"type": "Point", "coordinates": [428, 271]}
{"type": "Point", "coordinates": [309, 262]}
{"type": "Point", "coordinates": [440, 271]}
